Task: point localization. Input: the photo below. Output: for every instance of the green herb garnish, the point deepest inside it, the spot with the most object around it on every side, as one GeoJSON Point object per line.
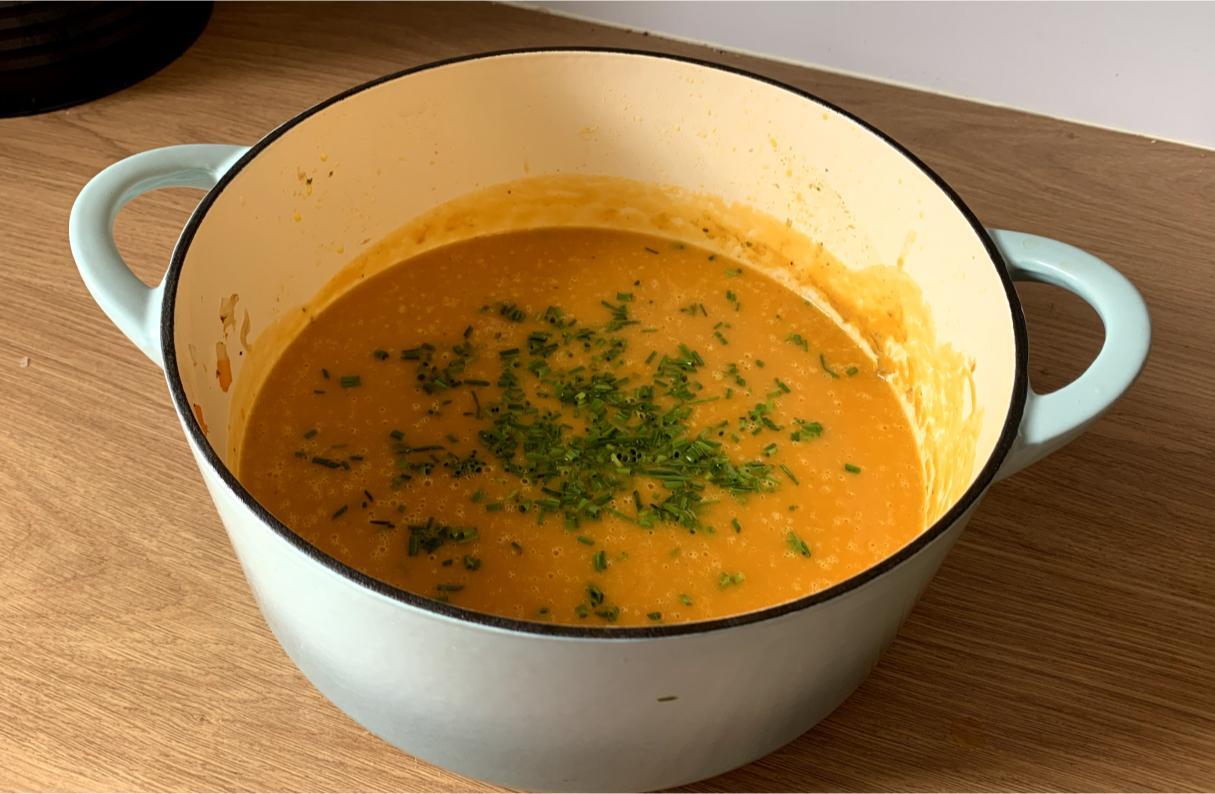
{"type": "Point", "coordinates": [797, 544]}
{"type": "Point", "coordinates": [594, 594]}
{"type": "Point", "coordinates": [608, 613]}
{"type": "Point", "coordinates": [730, 579]}
{"type": "Point", "coordinates": [806, 430]}
{"type": "Point", "coordinates": [431, 536]}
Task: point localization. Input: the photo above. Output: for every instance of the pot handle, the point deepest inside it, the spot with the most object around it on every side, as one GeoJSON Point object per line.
{"type": "Point", "coordinates": [127, 301]}
{"type": "Point", "coordinates": [1052, 420]}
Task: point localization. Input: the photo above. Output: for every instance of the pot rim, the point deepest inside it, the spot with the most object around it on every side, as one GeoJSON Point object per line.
{"type": "Point", "coordinates": [968, 499]}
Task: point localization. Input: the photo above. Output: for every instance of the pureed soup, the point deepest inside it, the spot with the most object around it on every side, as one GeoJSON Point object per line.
{"type": "Point", "coordinates": [585, 426]}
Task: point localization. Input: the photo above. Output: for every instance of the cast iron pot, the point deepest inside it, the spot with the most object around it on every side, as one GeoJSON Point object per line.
{"type": "Point", "coordinates": [535, 705]}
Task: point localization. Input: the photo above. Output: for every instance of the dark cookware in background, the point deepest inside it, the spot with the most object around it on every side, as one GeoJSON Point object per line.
{"type": "Point", "coordinates": [54, 55]}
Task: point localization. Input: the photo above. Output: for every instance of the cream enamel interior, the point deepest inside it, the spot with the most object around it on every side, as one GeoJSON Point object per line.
{"type": "Point", "coordinates": [335, 185]}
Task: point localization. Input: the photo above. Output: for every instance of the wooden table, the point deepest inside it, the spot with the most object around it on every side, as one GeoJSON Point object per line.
{"type": "Point", "coordinates": [1068, 642]}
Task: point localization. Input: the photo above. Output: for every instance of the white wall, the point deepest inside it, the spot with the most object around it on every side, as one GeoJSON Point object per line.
{"type": "Point", "coordinates": [1145, 67]}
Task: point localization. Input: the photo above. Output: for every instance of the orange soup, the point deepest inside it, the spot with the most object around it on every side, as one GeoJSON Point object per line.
{"type": "Point", "coordinates": [585, 426]}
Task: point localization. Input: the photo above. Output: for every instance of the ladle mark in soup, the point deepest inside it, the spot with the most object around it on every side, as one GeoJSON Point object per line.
{"type": "Point", "coordinates": [585, 426]}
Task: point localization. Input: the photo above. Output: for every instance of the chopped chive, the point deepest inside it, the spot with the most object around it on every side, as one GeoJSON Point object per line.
{"type": "Point", "coordinates": [599, 560]}
{"type": "Point", "coordinates": [328, 463]}
{"type": "Point", "coordinates": [324, 373]}
{"type": "Point", "coordinates": [608, 613]}
{"type": "Point", "coordinates": [851, 371]}
{"type": "Point", "coordinates": [649, 250]}
{"type": "Point", "coordinates": [449, 588]}
{"type": "Point", "coordinates": [852, 468]}
{"type": "Point", "coordinates": [789, 474]}
{"type": "Point", "coordinates": [468, 332]}
{"type": "Point", "coordinates": [584, 540]}
{"type": "Point", "coordinates": [769, 450]}
{"type": "Point", "coordinates": [471, 563]}
{"type": "Point", "coordinates": [731, 272]}
{"type": "Point", "coordinates": [379, 522]}
{"type": "Point", "coordinates": [477, 496]}
{"type": "Point", "coordinates": [730, 579]}
{"type": "Point", "coordinates": [367, 493]}
{"type": "Point", "coordinates": [822, 360]}
{"type": "Point", "coordinates": [799, 341]}
{"type": "Point", "coordinates": [806, 430]}
{"type": "Point", "coordinates": [350, 381]}
{"type": "Point", "coordinates": [624, 296]}
{"type": "Point", "coordinates": [381, 355]}
{"type": "Point", "coordinates": [338, 513]}
{"type": "Point", "coordinates": [685, 599]}
{"type": "Point", "coordinates": [797, 544]}
{"type": "Point", "coordinates": [594, 594]}
{"type": "Point", "coordinates": [734, 523]}
{"type": "Point", "coordinates": [493, 507]}
{"type": "Point", "coordinates": [668, 698]}
{"type": "Point", "coordinates": [462, 534]}
{"type": "Point", "coordinates": [655, 616]}
{"type": "Point", "coordinates": [780, 384]}
{"type": "Point", "coordinates": [310, 433]}
{"type": "Point", "coordinates": [516, 547]}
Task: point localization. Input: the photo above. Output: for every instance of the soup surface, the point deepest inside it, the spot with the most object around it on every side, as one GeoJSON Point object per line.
{"type": "Point", "coordinates": [585, 426]}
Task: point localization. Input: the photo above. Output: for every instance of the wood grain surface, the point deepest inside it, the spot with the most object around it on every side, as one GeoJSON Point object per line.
{"type": "Point", "coordinates": [1068, 643]}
